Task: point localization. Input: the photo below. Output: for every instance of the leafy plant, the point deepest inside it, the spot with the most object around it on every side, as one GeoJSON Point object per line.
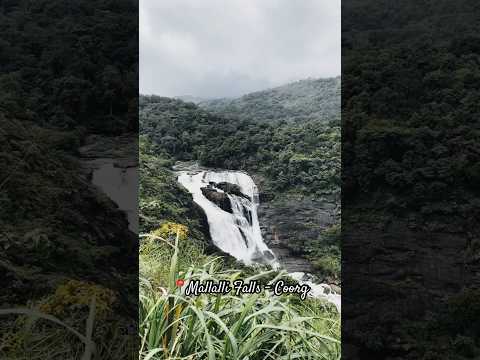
{"type": "Point", "coordinates": [260, 326]}
{"type": "Point", "coordinates": [34, 315]}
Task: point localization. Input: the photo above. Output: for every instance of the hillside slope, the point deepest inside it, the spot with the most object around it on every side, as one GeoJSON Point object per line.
{"type": "Point", "coordinates": [304, 100]}
{"type": "Point", "coordinates": [300, 158]}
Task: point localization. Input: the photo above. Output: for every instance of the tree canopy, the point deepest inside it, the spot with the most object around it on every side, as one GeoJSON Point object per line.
{"type": "Point", "coordinates": [68, 63]}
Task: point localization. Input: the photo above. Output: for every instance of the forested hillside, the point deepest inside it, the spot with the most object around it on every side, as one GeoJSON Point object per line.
{"type": "Point", "coordinates": [411, 155]}
{"type": "Point", "coordinates": [304, 100]}
{"type": "Point", "coordinates": [297, 157]}
{"type": "Point", "coordinates": [68, 63]}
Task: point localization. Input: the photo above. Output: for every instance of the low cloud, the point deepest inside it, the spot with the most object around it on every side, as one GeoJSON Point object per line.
{"type": "Point", "coordinates": [216, 48]}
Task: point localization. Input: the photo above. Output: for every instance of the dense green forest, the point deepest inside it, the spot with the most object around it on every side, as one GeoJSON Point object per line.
{"type": "Point", "coordinates": [68, 63]}
{"type": "Point", "coordinates": [411, 109]}
{"type": "Point", "coordinates": [300, 157]}
{"type": "Point", "coordinates": [411, 130]}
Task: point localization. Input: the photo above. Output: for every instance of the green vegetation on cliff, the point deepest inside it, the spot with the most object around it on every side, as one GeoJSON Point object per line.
{"type": "Point", "coordinates": [56, 230]}
{"type": "Point", "coordinates": [162, 199]}
{"type": "Point", "coordinates": [52, 220]}
{"type": "Point", "coordinates": [70, 63]}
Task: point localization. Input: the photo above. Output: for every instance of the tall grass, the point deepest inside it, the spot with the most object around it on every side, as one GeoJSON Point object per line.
{"type": "Point", "coordinates": [28, 334]}
{"type": "Point", "coordinates": [32, 316]}
{"type": "Point", "coordinates": [228, 327]}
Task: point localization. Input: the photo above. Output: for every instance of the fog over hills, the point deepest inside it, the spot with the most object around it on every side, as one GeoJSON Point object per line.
{"type": "Point", "coordinates": [309, 99]}
{"type": "Point", "coordinates": [192, 98]}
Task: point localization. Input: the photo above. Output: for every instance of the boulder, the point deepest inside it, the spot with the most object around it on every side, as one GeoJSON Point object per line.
{"type": "Point", "coordinates": [218, 198]}
{"type": "Point", "coordinates": [263, 257]}
{"type": "Point", "coordinates": [232, 189]}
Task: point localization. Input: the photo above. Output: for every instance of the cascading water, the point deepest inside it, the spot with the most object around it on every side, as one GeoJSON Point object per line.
{"type": "Point", "coordinates": [237, 233]}
{"type": "Point", "coordinates": [235, 228]}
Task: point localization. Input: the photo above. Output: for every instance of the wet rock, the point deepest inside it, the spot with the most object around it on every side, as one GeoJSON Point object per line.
{"type": "Point", "coordinates": [292, 263]}
{"type": "Point", "coordinates": [218, 198]}
{"type": "Point", "coordinates": [263, 257]}
{"type": "Point", "coordinates": [257, 256]}
{"type": "Point", "coordinates": [268, 255]}
{"type": "Point", "coordinates": [265, 196]}
{"type": "Point", "coordinates": [233, 189]}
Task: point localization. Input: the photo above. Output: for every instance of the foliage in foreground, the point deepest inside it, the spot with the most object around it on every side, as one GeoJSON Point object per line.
{"type": "Point", "coordinates": [78, 321]}
{"type": "Point", "coordinates": [259, 326]}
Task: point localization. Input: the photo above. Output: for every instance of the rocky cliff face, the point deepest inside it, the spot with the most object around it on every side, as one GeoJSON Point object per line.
{"type": "Point", "coordinates": [232, 189]}
{"type": "Point", "coordinates": [290, 223]}
{"type": "Point", "coordinates": [414, 270]}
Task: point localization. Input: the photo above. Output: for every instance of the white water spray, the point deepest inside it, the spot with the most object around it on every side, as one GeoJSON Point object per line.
{"type": "Point", "coordinates": [238, 233]}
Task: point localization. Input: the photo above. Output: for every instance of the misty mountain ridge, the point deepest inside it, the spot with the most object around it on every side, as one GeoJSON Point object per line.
{"type": "Point", "coordinates": [299, 101]}
{"type": "Point", "coordinates": [193, 99]}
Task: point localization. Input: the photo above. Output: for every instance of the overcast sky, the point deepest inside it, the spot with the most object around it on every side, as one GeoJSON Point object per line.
{"type": "Point", "coordinates": [222, 48]}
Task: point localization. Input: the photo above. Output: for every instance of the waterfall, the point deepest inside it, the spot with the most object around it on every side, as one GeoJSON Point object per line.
{"type": "Point", "coordinates": [237, 233]}
{"type": "Point", "coordinates": [235, 228]}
